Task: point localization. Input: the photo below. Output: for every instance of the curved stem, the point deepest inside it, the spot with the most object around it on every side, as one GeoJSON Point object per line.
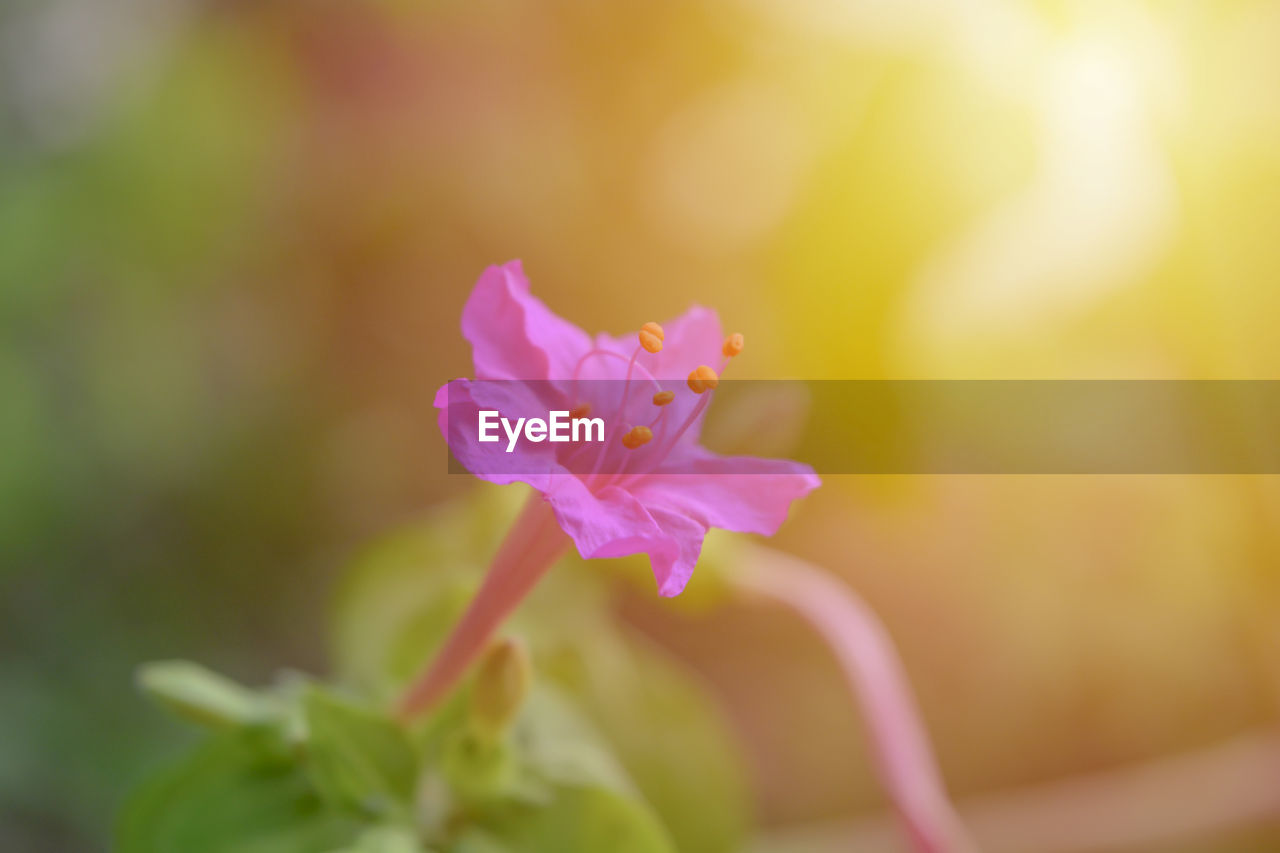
{"type": "Point", "coordinates": [1162, 804]}
{"type": "Point", "coordinates": [904, 758]}
{"type": "Point", "coordinates": [531, 547]}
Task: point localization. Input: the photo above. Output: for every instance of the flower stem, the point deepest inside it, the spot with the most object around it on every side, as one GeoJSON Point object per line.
{"type": "Point", "coordinates": [531, 547]}
{"type": "Point", "coordinates": [1168, 803]}
{"type": "Point", "coordinates": [904, 759]}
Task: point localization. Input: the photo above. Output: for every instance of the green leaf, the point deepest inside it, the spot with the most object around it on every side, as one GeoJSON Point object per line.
{"type": "Point", "coordinates": [577, 820]}
{"type": "Point", "coordinates": [675, 743]}
{"type": "Point", "coordinates": [200, 695]}
{"type": "Point", "coordinates": [550, 744]}
{"type": "Point", "coordinates": [227, 798]}
{"type": "Point", "coordinates": [479, 770]}
{"type": "Point", "coordinates": [357, 757]}
{"type": "Point", "coordinates": [386, 839]}
{"type": "Point", "coordinates": [658, 719]}
{"type": "Point", "coordinates": [479, 841]}
{"type": "Point", "coordinates": [558, 744]}
{"type": "Point", "coordinates": [399, 597]}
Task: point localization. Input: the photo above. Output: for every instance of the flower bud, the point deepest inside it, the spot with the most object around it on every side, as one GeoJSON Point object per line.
{"type": "Point", "coordinates": [501, 685]}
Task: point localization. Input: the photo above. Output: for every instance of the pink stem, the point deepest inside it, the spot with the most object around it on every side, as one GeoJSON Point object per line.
{"type": "Point", "coordinates": [531, 547]}
{"type": "Point", "coordinates": [1165, 804]}
{"type": "Point", "coordinates": [904, 759]}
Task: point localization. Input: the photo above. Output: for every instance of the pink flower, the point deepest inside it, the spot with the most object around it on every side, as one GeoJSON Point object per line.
{"type": "Point", "coordinates": [649, 487]}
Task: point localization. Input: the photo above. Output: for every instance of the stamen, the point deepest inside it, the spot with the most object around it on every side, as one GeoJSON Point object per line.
{"type": "Point", "coordinates": [577, 368]}
{"type": "Point", "coordinates": [662, 398]}
{"type": "Point", "coordinates": [617, 415]}
{"type": "Point", "coordinates": [733, 345]}
{"type": "Point", "coordinates": [703, 379]}
{"type": "Point", "coordinates": [659, 420]}
{"type": "Point", "coordinates": [637, 437]}
{"type": "Point", "coordinates": [651, 337]}
{"type": "Point", "coordinates": [582, 410]}
{"type": "Point", "coordinates": [668, 443]}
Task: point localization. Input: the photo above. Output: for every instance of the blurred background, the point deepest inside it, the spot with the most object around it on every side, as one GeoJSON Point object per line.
{"type": "Point", "coordinates": [235, 240]}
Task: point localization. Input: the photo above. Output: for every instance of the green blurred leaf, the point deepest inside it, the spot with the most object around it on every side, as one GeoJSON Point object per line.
{"type": "Point", "coordinates": [479, 771]}
{"type": "Point", "coordinates": [550, 785]}
{"type": "Point", "coordinates": [558, 744]}
{"type": "Point", "coordinates": [227, 798]}
{"type": "Point", "coordinates": [659, 721]}
{"type": "Point", "coordinates": [658, 717]}
{"type": "Point", "coordinates": [550, 744]}
{"type": "Point", "coordinates": [577, 820]}
{"type": "Point", "coordinates": [399, 597]}
{"type": "Point", "coordinates": [386, 839]}
{"type": "Point", "coordinates": [479, 841]}
{"type": "Point", "coordinates": [675, 743]}
{"type": "Point", "coordinates": [357, 757]}
{"type": "Point", "coordinates": [200, 695]}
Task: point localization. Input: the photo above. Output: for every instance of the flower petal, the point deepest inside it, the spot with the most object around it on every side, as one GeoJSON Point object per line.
{"type": "Point", "coordinates": [612, 523]}
{"type": "Point", "coordinates": [513, 335]}
{"type": "Point", "coordinates": [458, 418]}
{"type": "Point", "coordinates": [673, 573]}
{"type": "Point", "coordinates": [693, 338]}
{"type": "Point", "coordinates": [742, 493]}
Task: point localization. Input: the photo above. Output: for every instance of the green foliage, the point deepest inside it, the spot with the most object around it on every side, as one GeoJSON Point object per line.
{"type": "Point", "coordinates": [609, 730]}
{"type": "Point", "coordinates": [577, 820]}
{"type": "Point", "coordinates": [230, 798]}
{"type": "Point", "coordinates": [386, 839]}
{"type": "Point", "coordinates": [358, 758]}
{"type": "Point", "coordinates": [404, 592]}
{"type": "Point", "coordinates": [398, 598]}
{"type": "Point", "coordinates": [200, 695]}
{"type": "Point", "coordinates": [353, 783]}
{"type": "Point", "coordinates": [673, 742]}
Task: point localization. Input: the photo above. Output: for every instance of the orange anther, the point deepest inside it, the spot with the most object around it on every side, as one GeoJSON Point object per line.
{"type": "Point", "coordinates": [637, 436]}
{"type": "Point", "coordinates": [703, 378]}
{"type": "Point", "coordinates": [663, 397]}
{"type": "Point", "coordinates": [733, 345]}
{"type": "Point", "coordinates": [651, 337]}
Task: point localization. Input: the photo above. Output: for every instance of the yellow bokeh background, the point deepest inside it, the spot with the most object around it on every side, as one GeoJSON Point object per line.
{"type": "Point", "coordinates": [235, 240]}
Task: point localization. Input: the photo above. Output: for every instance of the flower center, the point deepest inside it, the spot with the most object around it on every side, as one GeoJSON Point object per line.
{"type": "Point", "coordinates": [700, 381]}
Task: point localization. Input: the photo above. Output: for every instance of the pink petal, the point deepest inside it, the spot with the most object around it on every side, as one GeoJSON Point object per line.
{"type": "Point", "coordinates": [693, 338]}
{"type": "Point", "coordinates": [458, 418]}
{"type": "Point", "coordinates": [513, 335]}
{"type": "Point", "coordinates": [673, 572]}
{"type": "Point", "coordinates": [742, 493]}
{"type": "Point", "coordinates": [612, 523]}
